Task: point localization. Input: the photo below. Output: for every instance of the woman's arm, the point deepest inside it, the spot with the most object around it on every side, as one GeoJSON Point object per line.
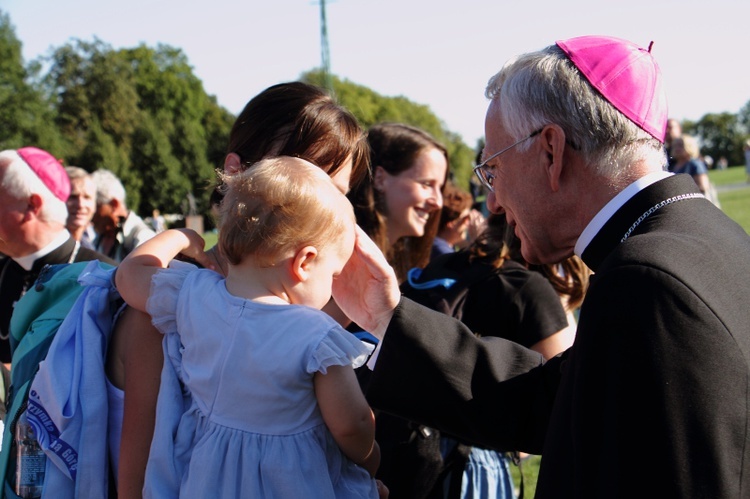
{"type": "Point", "coordinates": [555, 343]}
{"type": "Point", "coordinates": [559, 341]}
{"type": "Point", "coordinates": [348, 416]}
{"type": "Point", "coordinates": [133, 276]}
{"type": "Point", "coordinates": [702, 180]}
{"type": "Point", "coordinates": [138, 346]}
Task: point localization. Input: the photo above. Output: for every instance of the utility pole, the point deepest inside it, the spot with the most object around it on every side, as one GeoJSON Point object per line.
{"type": "Point", "coordinates": [324, 52]}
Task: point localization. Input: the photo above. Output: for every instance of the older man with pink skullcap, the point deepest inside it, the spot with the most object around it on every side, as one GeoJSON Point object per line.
{"type": "Point", "coordinates": [653, 398]}
{"type": "Point", "coordinates": [34, 187]}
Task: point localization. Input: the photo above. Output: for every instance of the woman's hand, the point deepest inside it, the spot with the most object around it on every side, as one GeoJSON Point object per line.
{"type": "Point", "coordinates": [382, 490]}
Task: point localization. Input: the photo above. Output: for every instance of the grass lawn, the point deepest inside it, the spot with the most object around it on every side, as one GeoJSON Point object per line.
{"type": "Point", "coordinates": [735, 201]}
{"type": "Point", "coordinates": [211, 238]}
{"type": "Point", "coordinates": [733, 175]}
{"type": "Point", "coordinates": [530, 469]}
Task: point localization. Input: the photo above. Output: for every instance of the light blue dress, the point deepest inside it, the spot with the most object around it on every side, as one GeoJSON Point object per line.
{"type": "Point", "coordinates": [252, 427]}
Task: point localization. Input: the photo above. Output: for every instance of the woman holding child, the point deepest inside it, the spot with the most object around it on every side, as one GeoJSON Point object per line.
{"type": "Point", "coordinates": [274, 408]}
{"type": "Point", "coordinates": [290, 119]}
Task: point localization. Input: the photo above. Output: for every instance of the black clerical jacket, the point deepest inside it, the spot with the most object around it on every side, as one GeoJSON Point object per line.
{"type": "Point", "coordinates": [15, 280]}
{"type": "Point", "coordinates": [653, 398]}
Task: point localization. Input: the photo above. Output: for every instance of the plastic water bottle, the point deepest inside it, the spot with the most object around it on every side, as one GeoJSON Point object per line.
{"type": "Point", "coordinates": [30, 461]}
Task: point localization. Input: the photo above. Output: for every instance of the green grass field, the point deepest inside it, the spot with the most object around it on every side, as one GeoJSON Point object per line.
{"type": "Point", "coordinates": [211, 238]}
{"type": "Point", "coordinates": [530, 469]}
{"type": "Point", "coordinates": [733, 175]}
{"type": "Point", "coordinates": [735, 201]}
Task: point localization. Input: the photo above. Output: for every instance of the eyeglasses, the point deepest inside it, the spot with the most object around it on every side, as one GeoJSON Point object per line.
{"type": "Point", "coordinates": [482, 171]}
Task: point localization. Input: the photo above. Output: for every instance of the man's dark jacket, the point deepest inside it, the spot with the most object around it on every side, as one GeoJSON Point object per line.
{"type": "Point", "coordinates": [14, 280]}
{"type": "Point", "coordinates": [653, 398]}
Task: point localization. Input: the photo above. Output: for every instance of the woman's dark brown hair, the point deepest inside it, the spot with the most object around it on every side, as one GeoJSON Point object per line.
{"type": "Point", "coordinates": [300, 120]}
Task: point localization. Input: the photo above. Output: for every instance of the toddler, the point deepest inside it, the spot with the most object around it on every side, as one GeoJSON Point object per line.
{"type": "Point", "coordinates": [270, 404]}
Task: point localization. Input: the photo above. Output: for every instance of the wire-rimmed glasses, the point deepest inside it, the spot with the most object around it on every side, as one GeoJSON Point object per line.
{"type": "Point", "coordinates": [482, 170]}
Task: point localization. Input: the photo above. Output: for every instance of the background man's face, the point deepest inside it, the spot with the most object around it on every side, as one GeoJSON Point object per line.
{"type": "Point", "coordinates": [81, 202]}
{"type": "Point", "coordinates": [105, 219]}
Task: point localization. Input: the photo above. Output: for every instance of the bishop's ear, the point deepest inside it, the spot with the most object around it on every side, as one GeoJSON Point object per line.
{"type": "Point", "coordinates": [35, 205]}
{"type": "Point", "coordinates": [553, 143]}
{"type": "Point", "coordinates": [303, 261]}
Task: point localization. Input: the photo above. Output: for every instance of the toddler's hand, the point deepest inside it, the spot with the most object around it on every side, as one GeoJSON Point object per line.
{"type": "Point", "coordinates": [193, 249]}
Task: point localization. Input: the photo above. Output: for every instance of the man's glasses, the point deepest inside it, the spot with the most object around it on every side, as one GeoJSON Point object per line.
{"type": "Point", "coordinates": [482, 170]}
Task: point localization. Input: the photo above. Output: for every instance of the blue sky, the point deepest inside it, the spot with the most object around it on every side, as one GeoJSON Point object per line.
{"type": "Point", "coordinates": [437, 52]}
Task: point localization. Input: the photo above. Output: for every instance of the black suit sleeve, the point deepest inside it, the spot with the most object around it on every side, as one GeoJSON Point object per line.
{"type": "Point", "coordinates": [489, 392]}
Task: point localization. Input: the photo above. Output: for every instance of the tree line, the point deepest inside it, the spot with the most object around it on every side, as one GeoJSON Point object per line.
{"type": "Point", "coordinates": [722, 134]}
{"type": "Point", "coordinates": [142, 113]}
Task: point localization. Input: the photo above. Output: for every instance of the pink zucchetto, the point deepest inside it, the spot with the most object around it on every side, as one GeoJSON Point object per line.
{"type": "Point", "coordinates": [49, 170]}
{"type": "Point", "coordinates": [626, 75]}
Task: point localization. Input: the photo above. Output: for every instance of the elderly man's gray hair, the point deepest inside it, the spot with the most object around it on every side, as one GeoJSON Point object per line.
{"type": "Point", "coordinates": [108, 187]}
{"type": "Point", "coordinates": [544, 87]}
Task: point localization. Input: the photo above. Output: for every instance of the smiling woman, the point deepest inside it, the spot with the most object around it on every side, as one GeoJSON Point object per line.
{"type": "Point", "coordinates": [398, 206]}
{"type": "Point", "coordinates": [293, 119]}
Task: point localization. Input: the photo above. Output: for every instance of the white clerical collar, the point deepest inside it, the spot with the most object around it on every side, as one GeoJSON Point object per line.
{"type": "Point", "coordinates": [28, 261]}
{"type": "Point", "coordinates": [596, 224]}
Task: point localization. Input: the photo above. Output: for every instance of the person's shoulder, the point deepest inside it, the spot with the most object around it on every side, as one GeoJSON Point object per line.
{"type": "Point", "coordinates": [314, 317]}
{"type": "Point", "coordinates": [440, 247]}
{"type": "Point", "coordinates": [135, 225]}
{"type": "Point", "coordinates": [695, 167]}
{"type": "Point", "coordinates": [511, 272]}
{"type": "Point", "coordinates": [135, 232]}
{"type": "Point", "coordinates": [85, 254]}
{"type": "Point", "coordinates": [142, 228]}
{"type": "Point", "coordinates": [449, 264]}
{"type": "Point", "coordinates": [513, 279]}
{"type": "Point", "coordinates": [198, 278]}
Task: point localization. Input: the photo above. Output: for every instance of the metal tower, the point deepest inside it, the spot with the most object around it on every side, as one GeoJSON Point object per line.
{"type": "Point", "coordinates": [324, 53]}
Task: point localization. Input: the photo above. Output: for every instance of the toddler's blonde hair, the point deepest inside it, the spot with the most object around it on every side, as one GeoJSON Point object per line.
{"type": "Point", "coordinates": [278, 206]}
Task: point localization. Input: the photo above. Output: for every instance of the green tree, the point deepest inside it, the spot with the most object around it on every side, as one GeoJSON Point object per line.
{"type": "Point", "coordinates": [94, 94]}
{"type": "Point", "coordinates": [371, 108]}
{"type": "Point", "coordinates": [194, 125]}
{"type": "Point", "coordinates": [26, 119]}
{"type": "Point", "coordinates": [158, 167]}
{"type": "Point", "coordinates": [143, 114]}
{"type": "Point", "coordinates": [721, 135]}
{"type": "Point", "coordinates": [743, 117]}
